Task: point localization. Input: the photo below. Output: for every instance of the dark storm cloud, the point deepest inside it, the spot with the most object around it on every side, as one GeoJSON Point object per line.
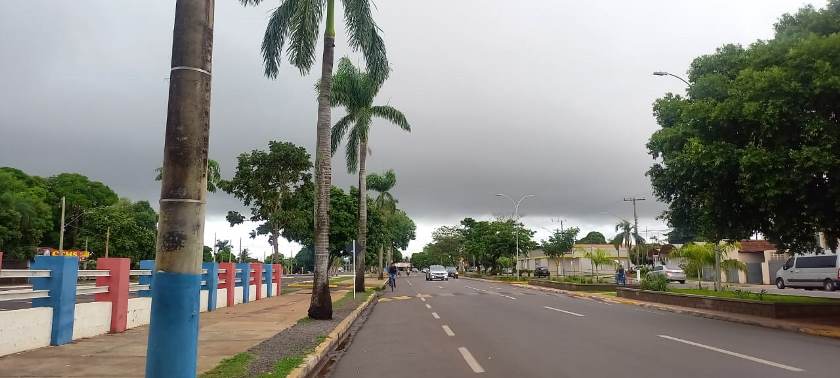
{"type": "Point", "coordinates": [551, 98]}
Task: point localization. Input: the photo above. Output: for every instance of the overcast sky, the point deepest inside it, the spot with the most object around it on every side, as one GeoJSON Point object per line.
{"type": "Point", "coordinates": [547, 97]}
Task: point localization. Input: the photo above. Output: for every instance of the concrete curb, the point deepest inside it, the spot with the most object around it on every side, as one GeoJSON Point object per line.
{"type": "Point", "coordinates": [313, 360]}
{"type": "Point", "coordinates": [768, 323]}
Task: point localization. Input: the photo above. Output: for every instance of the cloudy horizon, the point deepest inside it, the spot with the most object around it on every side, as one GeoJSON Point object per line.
{"type": "Point", "coordinates": [547, 98]}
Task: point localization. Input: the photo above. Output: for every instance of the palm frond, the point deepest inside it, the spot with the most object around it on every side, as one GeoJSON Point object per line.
{"type": "Point", "coordinates": [303, 32]}
{"type": "Point", "coordinates": [275, 35]}
{"type": "Point", "coordinates": [338, 131]}
{"type": "Point", "coordinates": [344, 81]}
{"type": "Point", "coordinates": [395, 116]}
{"type": "Point", "coordinates": [363, 34]}
{"type": "Point", "coordinates": [351, 153]}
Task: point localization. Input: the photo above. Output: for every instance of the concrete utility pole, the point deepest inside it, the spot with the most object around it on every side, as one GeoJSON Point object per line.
{"type": "Point", "coordinates": [61, 231]}
{"type": "Point", "coordinates": [107, 240]}
{"type": "Point", "coordinates": [173, 332]}
{"type": "Point", "coordinates": [635, 217]}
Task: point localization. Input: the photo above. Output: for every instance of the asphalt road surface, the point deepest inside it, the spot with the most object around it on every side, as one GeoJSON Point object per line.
{"type": "Point", "coordinates": [463, 328]}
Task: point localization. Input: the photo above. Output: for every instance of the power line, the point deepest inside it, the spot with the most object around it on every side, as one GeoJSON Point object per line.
{"type": "Point", "coordinates": [635, 216]}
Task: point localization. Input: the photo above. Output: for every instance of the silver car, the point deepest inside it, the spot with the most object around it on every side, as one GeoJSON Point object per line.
{"type": "Point", "coordinates": [671, 273]}
{"type": "Point", "coordinates": [437, 272]}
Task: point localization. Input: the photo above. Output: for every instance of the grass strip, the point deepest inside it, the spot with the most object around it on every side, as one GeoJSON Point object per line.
{"type": "Point", "coordinates": [233, 367]}
{"type": "Point", "coordinates": [772, 298]}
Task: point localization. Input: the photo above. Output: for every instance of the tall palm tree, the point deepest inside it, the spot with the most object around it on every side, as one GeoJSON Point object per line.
{"type": "Point", "coordinates": [298, 21]}
{"type": "Point", "coordinates": [355, 90]}
{"type": "Point", "coordinates": [384, 202]}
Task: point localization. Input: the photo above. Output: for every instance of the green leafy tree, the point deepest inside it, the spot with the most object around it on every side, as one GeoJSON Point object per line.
{"type": "Point", "coordinates": [486, 241]}
{"type": "Point", "coordinates": [298, 22]}
{"type": "Point", "coordinates": [263, 181]}
{"type": "Point", "coordinates": [207, 254]}
{"type": "Point", "coordinates": [25, 215]}
{"type": "Point", "coordinates": [224, 251]}
{"type": "Point", "coordinates": [593, 237]}
{"type": "Point", "coordinates": [753, 145]}
{"type": "Point", "coordinates": [128, 228]}
{"type": "Point", "coordinates": [355, 90]}
{"type": "Point", "coordinates": [559, 244]}
{"type": "Point", "coordinates": [81, 196]}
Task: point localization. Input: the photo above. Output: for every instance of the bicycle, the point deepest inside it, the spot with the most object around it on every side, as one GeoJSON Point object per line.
{"type": "Point", "coordinates": [392, 282]}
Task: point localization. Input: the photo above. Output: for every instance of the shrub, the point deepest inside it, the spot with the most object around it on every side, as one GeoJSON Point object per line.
{"type": "Point", "coordinates": [654, 282]}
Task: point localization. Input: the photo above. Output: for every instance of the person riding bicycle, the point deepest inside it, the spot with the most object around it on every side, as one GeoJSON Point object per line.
{"type": "Point", "coordinates": [392, 274]}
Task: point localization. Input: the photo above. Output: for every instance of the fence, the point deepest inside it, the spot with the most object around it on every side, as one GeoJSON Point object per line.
{"type": "Point", "coordinates": [56, 318]}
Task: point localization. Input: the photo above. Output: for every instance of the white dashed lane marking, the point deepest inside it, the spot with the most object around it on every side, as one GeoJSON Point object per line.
{"type": "Point", "coordinates": [734, 354]}
{"type": "Point", "coordinates": [435, 315]}
{"type": "Point", "coordinates": [473, 364]}
{"type": "Point", "coordinates": [563, 311]}
{"type": "Point", "coordinates": [447, 330]}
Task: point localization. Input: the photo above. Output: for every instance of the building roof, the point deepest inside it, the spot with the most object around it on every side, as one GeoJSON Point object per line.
{"type": "Point", "coordinates": [757, 246]}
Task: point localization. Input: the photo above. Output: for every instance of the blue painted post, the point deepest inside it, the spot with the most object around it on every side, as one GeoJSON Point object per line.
{"type": "Point", "coordinates": [64, 270]}
{"type": "Point", "coordinates": [147, 280]}
{"type": "Point", "coordinates": [245, 280]}
{"type": "Point", "coordinates": [267, 279]}
{"type": "Point", "coordinates": [211, 279]}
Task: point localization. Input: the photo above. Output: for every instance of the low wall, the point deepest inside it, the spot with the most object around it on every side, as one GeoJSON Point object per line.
{"type": "Point", "coordinates": [25, 329]}
{"type": "Point", "coordinates": [91, 319]}
{"type": "Point", "coordinates": [139, 311]}
{"type": "Point", "coordinates": [572, 286]}
{"type": "Point", "coordinates": [738, 306]}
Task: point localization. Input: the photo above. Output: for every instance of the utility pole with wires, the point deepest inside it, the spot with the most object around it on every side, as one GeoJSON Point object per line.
{"type": "Point", "coordinates": [635, 216]}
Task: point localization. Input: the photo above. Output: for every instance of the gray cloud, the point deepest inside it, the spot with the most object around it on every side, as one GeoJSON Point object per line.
{"type": "Point", "coordinates": [545, 97]}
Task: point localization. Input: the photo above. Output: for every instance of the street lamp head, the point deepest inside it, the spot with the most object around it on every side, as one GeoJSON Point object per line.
{"type": "Point", "coordinates": [499, 195]}
{"type": "Point", "coordinates": [660, 73]}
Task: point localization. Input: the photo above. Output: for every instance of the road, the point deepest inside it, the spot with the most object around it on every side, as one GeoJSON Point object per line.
{"type": "Point", "coordinates": [460, 328]}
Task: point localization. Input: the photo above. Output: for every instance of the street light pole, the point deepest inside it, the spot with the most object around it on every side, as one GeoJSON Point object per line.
{"type": "Point", "coordinates": [663, 73]}
{"type": "Point", "coordinates": [516, 219]}
{"type": "Point", "coordinates": [61, 231]}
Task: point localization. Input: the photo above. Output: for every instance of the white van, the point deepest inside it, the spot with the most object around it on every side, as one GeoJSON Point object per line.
{"type": "Point", "coordinates": [810, 271]}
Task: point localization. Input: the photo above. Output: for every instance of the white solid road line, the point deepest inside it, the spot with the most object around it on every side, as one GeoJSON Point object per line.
{"type": "Point", "coordinates": [435, 315]}
{"type": "Point", "coordinates": [447, 330]}
{"type": "Point", "coordinates": [474, 365]}
{"type": "Point", "coordinates": [563, 311]}
{"type": "Point", "coordinates": [427, 306]}
{"type": "Point", "coordinates": [734, 354]}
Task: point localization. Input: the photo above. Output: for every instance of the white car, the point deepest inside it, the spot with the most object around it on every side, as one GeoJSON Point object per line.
{"type": "Point", "coordinates": [810, 272]}
{"type": "Point", "coordinates": [671, 273]}
{"type": "Point", "coordinates": [437, 272]}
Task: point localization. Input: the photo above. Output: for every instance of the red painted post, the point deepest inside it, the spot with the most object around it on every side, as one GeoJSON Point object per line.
{"type": "Point", "coordinates": [257, 274]}
{"type": "Point", "coordinates": [277, 271]}
{"type": "Point", "coordinates": [117, 294]}
{"type": "Point", "coordinates": [230, 281]}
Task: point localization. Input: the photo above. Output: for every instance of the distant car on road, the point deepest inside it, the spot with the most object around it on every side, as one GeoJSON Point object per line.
{"type": "Point", "coordinates": [452, 272]}
{"type": "Point", "coordinates": [541, 271]}
{"type": "Point", "coordinates": [671, 273]}
{"type": "Point", "coordinates": [437, 272]}
{"type": "Point", "coordinates": [810, 272]}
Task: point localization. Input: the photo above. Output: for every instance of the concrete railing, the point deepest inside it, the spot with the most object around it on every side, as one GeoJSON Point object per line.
{"type": "Point", "coordinates": [56, 318]}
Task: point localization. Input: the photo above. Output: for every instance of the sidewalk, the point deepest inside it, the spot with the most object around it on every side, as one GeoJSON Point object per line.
{"type": "Point", "coordinates": [827, 327]}
{"type": "Point", "coordinates": [223, 333]}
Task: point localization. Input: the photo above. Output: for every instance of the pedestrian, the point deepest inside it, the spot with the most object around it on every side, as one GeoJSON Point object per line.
{"type": "Point", "coordinates": [620, 276]}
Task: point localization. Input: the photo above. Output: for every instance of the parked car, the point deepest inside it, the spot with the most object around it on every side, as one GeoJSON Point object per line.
{"type": "Point", "coordinates": [437, 272]}
{"type": "Point", "coordinates": [671, 273]}
{"type": "Point", "coordinates": [541, 271]}
{"type": "Point", "coordinates": [425, 270]}
{"type": "Point", "coordinates": [452, 272]}
{"type": "Point", "coordinates": [809, 272]}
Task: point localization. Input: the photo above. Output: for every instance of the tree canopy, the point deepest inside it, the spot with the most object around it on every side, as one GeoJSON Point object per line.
{"type": "Point", "coordinates": [593, 237]}
{"type": "Point", "coordinates": [753, 145]}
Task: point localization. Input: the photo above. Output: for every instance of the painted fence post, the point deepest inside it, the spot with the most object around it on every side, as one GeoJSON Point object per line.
{"type": "Point", "coordinates": [211, 283]}
{"type": "Point", "coordinates": [278, 277]}
{"type": "Point", "coordinates": [117, 294]}
{"type": "Point", "coordinates": [230, 282]}
{"type": "Point", "coordinates": [147, 280]}
{"type": "Point", "coordinates": [245, 280]}
{"type": "Point", "coordinates": [267, 276]}
{"type": "Point", "coordinates": [258, 278]}
{"type": "Point", "coordinates": [64, 271]}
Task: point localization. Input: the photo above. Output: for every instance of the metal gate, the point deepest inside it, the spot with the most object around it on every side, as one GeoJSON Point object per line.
{"type": "Point", "coordinates": [754, 275]}
{"type": "Point", "coordinates": [732, 275]}
{"type": "Point", "coordinates": [775, 265]}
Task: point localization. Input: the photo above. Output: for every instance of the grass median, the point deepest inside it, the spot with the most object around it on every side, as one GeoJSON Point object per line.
{"type": "Point", "coordinates": [765, 297]}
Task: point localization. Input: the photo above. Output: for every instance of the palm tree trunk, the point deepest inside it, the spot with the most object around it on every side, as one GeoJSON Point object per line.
{"type": "Point", "coordinates": [320, 305]}
{"type": "Point", "coordinates": [173, 329]}
{"type": "Point", "coordinates": [381, 269]}
{"type": "Point", "coordinates": [362, 252]}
